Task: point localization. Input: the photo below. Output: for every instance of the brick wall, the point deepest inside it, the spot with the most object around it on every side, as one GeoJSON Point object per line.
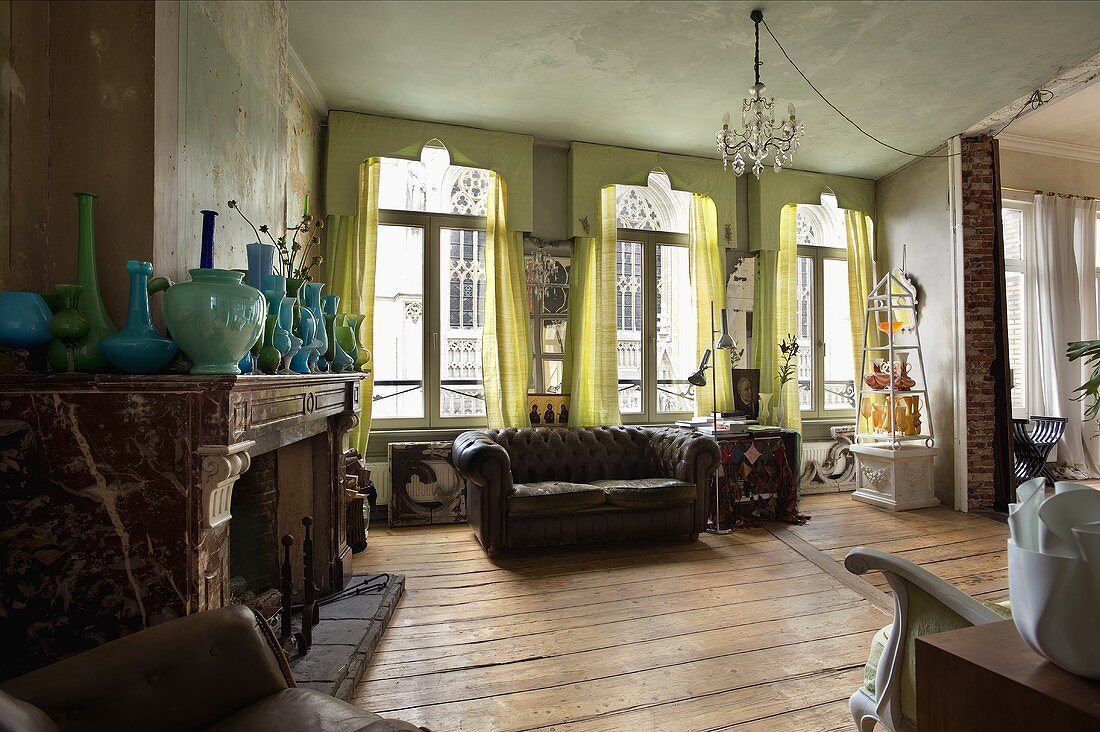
{"type": "Point", "coordinates": [984, 324]}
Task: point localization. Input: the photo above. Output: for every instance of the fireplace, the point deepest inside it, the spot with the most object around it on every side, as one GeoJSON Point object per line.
{"type": "Point", "coordinates": [138, 499]}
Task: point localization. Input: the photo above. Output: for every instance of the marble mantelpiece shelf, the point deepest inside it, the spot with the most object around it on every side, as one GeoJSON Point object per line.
{"type": "Point", "coordinates": [115, 515]}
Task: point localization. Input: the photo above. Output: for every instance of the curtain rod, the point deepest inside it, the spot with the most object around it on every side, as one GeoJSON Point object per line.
{"type": "Point", "coordinates": [1047, 193]}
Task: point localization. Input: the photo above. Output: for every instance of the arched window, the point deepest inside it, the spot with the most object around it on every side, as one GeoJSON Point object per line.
{"type": "Point", "coordinates": [826, 369]}
{"type": "Point", "coordinates": [653, 301]}
{"type": "Point", "coordinates": [431, 239]}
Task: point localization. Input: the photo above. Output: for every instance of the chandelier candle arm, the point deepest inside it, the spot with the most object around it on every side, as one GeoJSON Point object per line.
{"type": "Point", "coordinates": [759, 137]}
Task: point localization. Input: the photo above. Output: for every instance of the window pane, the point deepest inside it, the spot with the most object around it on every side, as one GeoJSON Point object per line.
{"type": "Point", "coordinates": [675, 330]}
{"type": "Point", "coordinates": [553, 335]}
{"type": "Point", "coordinates": [432, 184]}
{"type": "Point", "coordinates": [551, 376]}
{"type": "Point", "coordinates": [1014, 304]}
{"type": "Point", "coordinates": [837, 331]}
{"type": "Point", "coordinates": [628, 321]}
{"type": "Point", "coordinates": [1013, 222]}
{"type": "Point", "coordinates": [399, 323]}
{"type": "Point", "coordinates": [462, 285]}
{"type": "Point", "coordinates": [804, 313]}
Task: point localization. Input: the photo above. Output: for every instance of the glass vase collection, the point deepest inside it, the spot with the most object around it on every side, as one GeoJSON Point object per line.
{"type": "Point", "coordinates": [220, 321]}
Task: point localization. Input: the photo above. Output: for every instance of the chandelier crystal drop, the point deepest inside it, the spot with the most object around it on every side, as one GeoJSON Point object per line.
{"type": "Point", "coordinates": [760, 137]}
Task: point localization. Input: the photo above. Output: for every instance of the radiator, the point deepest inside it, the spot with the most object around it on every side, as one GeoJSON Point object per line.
{"type": "Point", "coordinates": [815, 452]}
{"type": "Point", "coordinates": [380, 474]}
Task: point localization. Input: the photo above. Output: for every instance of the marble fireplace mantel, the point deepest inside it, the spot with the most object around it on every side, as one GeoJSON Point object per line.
{"type": "Point", "coordinates": [116, 494]}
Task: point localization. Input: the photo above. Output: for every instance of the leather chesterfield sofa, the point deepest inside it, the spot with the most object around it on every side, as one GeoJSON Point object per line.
{"type": "Point", "coordinates": [553, 486]}
{"type": "Point", "coordinates": [218, 670]}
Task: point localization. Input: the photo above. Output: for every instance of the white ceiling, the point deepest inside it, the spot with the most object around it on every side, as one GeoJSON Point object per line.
{"type": "Point", "coordinates": [1074, 120]}
{"type": "Point", "coordinates": [659, 75]}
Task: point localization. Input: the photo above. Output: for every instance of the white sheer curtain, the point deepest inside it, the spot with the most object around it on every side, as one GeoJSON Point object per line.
{"type": "Point", "coordinates": [1061, 303]}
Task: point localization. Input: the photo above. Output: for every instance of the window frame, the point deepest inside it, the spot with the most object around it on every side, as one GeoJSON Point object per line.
{"type": "Point", "coordinates": [1025, 204]}
{"type": "Point", "coordinates": [817, 411]}
{"type": "Point", "coordinates": [434, 309]}
{"type": "Point", "coordinates": [650, 240]}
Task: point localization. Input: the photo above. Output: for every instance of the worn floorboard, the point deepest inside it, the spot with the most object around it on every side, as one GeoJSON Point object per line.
{"type": "Point", "coordinates": [758, 630]}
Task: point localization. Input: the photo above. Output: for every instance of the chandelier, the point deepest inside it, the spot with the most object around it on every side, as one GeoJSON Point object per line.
{"type": "Point", "coordinates": [540, 267]}
{"type": "Point", "coordinates": [759, 137]}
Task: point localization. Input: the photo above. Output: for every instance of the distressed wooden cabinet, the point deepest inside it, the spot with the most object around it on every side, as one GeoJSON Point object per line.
{"type": "Point", "coordinates": [117, 494]}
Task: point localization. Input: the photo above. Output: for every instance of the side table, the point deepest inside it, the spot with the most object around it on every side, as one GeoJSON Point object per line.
{"type": "Point", "coordinates": [986, 677]}
{"type": "Point", "coordinates": [757, 480]}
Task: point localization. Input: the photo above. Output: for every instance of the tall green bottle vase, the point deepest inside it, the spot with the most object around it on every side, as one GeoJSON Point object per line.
{"type": "Point", "coordinates": [86, 354]}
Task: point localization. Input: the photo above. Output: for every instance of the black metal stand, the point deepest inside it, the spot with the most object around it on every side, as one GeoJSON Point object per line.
{"type": "Point", "coordinates": [287, 587]}
{"type": "Point", "coordinates": [310, 610]}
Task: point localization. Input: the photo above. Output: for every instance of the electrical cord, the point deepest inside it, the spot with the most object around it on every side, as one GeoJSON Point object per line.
{"type": "Point", "coordinates": [1038, 98]}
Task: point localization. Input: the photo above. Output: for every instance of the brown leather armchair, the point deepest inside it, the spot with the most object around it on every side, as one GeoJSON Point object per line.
{"type": "Point", "coordinates": [218, 670]}
{"type": "Point", "coordinates": [547, 487]}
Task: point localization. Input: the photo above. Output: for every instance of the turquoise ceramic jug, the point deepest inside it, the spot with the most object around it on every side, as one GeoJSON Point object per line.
{"type": "Point", "coordinates": [138, 348]}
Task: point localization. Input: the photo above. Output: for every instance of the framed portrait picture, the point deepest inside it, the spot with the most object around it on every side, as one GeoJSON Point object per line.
{"type": "Point", "coordinates": [548, 410]}
{"type": "Point", "coordinates": [746, 392]}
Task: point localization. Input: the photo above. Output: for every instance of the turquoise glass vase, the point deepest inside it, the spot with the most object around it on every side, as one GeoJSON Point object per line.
{"type": "Point", "coordinates": [24, 320]}
{"type": "Point", "coordinates": [311, 296]}
{"type": "Point", "coordinates": [307, 331]}
{"type": "Point", "coordinates": [86, 354]}
{"type": "Point", "coordinates": [215, 318]}
{"type": "Point", "coordinates": [138, 348]}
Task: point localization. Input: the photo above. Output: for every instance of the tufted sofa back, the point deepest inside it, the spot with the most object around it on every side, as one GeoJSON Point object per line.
{"type": "Point", "coordinates": [577, 454]}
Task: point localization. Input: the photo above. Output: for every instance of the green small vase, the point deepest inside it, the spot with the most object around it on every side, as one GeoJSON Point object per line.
{"type": "Point", "coordinates": [269, 359]}
{"type": "Point", "coordinates": [68, 328]}
{"type": "Point", "coordinates": [363, 356]}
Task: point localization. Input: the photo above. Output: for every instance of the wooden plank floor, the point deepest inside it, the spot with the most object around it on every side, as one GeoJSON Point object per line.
{"type": "Point", "coordinates": [739, 632]}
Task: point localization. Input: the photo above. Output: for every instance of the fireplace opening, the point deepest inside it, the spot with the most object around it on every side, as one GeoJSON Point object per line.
{"type": "Point", "coordinates": [253, 537]}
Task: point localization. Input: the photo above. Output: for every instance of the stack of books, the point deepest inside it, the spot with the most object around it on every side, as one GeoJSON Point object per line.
{"type": "Point", "coordinates": [722, 427]}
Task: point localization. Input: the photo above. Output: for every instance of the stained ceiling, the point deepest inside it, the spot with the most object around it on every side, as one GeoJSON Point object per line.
{"type": "Point", "coordinates": [659, 75]}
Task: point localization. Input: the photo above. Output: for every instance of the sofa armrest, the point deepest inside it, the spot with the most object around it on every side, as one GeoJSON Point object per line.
{"type": "Point", "coordinates": [184, 674]}
{"type": "Point", "coordinates": [482, 461]}
{"type": "Point", "coordinates": [683, 454]}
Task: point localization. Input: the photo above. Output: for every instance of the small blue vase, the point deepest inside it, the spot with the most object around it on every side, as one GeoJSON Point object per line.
{"type": "Point", "coordinates": [246, 364]}
{"type": "Point", "coordinates": [311, 294]}
{"type": "Point", "coordinates": [138, 348]}
{"type": "Point", "coordinates": [286, 322]}
{"type": "Point", "coordinates": [260, 260]}
{"type": "Point", "coordinates": [206, 254]}
{"type": "Point", "coordinates": [24, 320]}
{"type": "Point", "coordinates": [307, 330]}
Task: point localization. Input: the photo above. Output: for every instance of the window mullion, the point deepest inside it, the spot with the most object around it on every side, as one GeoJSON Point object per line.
{"type": "Point", "coordinates": [433, 306]}
{"type": "Point", "coordinates": [649, 326]}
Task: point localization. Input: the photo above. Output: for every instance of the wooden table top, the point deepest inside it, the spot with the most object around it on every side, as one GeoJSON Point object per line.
{"type": "Point", "coordinates": [997, 648]}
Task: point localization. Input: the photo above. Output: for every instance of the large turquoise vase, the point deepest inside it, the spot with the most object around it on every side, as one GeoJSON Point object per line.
{"type": "Point", "coordinates": [138, 348]}
{"type": "Point", "coordinates": [261, 258]}
{"type": "Point", "coordinates": [86, 355]}
{"type": "Point", "coordinates": [215, 318]}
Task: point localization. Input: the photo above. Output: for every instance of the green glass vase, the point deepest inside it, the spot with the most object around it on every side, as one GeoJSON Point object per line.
{"type": "Point", "coordinates": [68, 328]}
{"type": "Point", "coordinates": [86, 355]}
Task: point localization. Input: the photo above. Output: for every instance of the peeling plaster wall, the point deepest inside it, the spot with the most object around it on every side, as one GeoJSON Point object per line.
{"type": "Point", "coordinates": [913, 210]}
{"type": "Point", "coordinates": [234, 95]}
{"type": "Point", "coordinates": [303, 162]}
{"type": "Point", "coordinates": [80, 88]}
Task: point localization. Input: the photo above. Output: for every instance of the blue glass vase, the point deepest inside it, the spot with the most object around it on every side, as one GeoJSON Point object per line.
{"type": "Point", "coordinates": [24, 320]}
{"type": "Point", "coordinates": [260, 260]}
{"type": "Point", "coordinates": [311, 296]}
{"type": "Point", "coordinates": [206, 254]}
{"type": "Point", "coordinates": [138, 348]}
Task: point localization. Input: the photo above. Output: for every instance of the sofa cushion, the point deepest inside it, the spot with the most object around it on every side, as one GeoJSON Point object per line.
{"type": "Point", "coordinates": [553, 497]}
{"type": "Point", "coordinates": [647, 493]}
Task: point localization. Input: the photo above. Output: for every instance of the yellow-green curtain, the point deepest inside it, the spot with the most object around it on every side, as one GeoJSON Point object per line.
{"type": "Point", "coordinates": [861, 279]}
{"type": "Point", "coordinates": [786, 318]}
{"type": "Point", "coordinates": [708, 282]}
{"type": "Point", "coordinates": [764, 345]}
{"type": "Point", "coordinates": [352, 253]}
{"type": "Point", "coordinates": [591, 370]}
{"type": "Point", "coordinates": [505, 341]}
